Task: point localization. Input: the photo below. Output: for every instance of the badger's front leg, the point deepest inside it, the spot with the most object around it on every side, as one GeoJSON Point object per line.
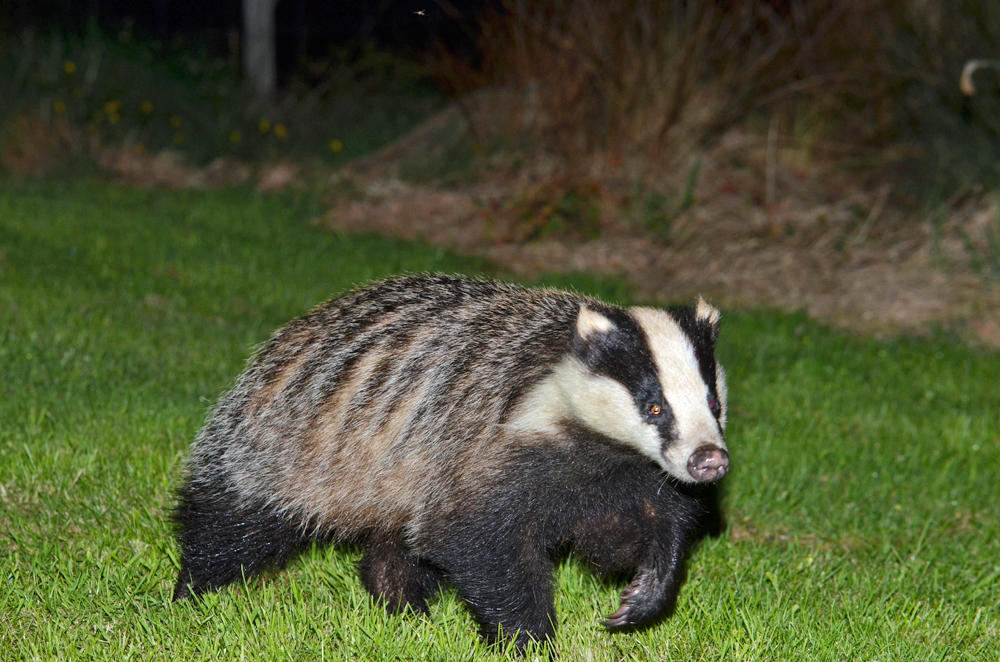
{"type": "Point", "coordinates": [653, 590]}
{"type": "Point", "coordinates": [510, 600]}
{"type": "Point", "coordinates": [505, 576]}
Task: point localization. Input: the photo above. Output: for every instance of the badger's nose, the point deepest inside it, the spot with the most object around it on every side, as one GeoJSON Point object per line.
{"type": "Point", "coordinates": [708, 463]}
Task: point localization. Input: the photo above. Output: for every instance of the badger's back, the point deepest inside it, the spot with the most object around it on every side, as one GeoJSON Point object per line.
{"type": "Point", "coordinates": [363, 413]}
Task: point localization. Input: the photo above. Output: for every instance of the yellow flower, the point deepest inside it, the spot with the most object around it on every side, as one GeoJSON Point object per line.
{"type": "Point", "coordinates": [112, 107]}
{"type": "Point", "coordinates": [336, 145]}
{"type": "Point", "coordinates": [146, 107]}
{"type": "Point", "coordinates": [59, 107]}
{"type": "Point", "coordinates": [69, 66]}
{"type": "Point", "coordinates": [280, 131]}
{"type": "Point", "coordinates": [175, 121]}
{"type": "Point", "coordinates": [264, 126]}
{"type": "Point", "coordinates": [113, 118]}
{"type": "Point", "coordinates": [235, 136]}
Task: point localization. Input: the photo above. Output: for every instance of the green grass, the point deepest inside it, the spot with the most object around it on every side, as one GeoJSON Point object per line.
{"type": "Point", "coordinates": [862, 504]}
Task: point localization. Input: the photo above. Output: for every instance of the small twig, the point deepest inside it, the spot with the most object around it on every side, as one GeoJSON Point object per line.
{"type": "Point", "coordinates": [823, 241]}
{"type": "Point", "coordinates": [770, 172]}
{"type": "Point", "coordinates": [873, 215]}
{"type": "Point", "coordinates": [75, 479]}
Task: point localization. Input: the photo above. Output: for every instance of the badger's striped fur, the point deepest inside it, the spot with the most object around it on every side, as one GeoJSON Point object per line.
{"type": "Point", "coordinates": [466, 431]}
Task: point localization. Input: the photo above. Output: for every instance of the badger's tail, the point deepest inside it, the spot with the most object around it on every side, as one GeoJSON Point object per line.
{"type": "Point", "coordinates": [223, 538]}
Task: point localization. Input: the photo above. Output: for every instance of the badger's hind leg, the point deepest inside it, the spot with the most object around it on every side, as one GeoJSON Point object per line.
{"type": "Point", "coordinates": [397, 578]}
{"type": "Point", "coordinates": [223, 540]}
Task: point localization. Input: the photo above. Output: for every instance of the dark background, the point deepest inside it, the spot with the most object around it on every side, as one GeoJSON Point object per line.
{"type": "Point", "coordinates": [305, 29]}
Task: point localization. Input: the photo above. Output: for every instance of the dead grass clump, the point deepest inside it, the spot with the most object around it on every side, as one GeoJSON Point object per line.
{"type": "Point", "coordinates": [872, 84]}
{"type": "Point", "coordinates": [641, 75]}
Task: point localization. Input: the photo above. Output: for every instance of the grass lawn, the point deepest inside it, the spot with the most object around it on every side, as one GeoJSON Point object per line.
{"type": "Point", "coordinates": [863, 518]}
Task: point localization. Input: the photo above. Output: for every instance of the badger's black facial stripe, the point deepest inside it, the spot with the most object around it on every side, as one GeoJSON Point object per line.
{"type": "Point", "coordinates": [623, 354]}
{"type": "Point", "coordinates": [703, 336]}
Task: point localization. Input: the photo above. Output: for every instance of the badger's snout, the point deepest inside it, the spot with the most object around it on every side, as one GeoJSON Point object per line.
{"type": "Point", "coordinates": [708, 463]}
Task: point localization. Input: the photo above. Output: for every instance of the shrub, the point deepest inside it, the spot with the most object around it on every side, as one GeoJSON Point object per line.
{"type": "Point", "coordinates": [646, 76]}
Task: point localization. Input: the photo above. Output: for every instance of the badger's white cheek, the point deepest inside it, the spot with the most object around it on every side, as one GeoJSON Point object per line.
{"type": "Point", "coordinates": [616, 417]}
{"type": "Point", "coordinates": [605, 406]}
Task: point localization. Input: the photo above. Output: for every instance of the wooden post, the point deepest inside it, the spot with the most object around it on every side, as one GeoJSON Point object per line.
{"type": "Point", "coordinates": [260, 70]}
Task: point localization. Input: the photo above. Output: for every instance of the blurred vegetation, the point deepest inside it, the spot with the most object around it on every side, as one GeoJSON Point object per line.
{"type": "Point", "coordinates": [872, 82]}
{"type": "Point", "coordinates": [66, 93]}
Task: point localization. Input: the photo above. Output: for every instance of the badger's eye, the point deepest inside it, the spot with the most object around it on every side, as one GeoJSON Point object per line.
{"type": "Point", "coordinates": [713, 405]}
{"type": "Point", "coordinates": [655, 410]}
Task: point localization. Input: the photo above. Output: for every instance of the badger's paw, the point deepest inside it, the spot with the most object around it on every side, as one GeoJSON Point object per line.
{"type": "Point", "coordinates": [642, 601]}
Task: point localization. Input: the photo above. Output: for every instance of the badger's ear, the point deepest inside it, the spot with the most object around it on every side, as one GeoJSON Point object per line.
{"type": "Point", "coordinates": [591, 336]}
{"type": "Point", "coordinates": [589, 322]}
{"type": "Point", "coordinates": [707, 315]}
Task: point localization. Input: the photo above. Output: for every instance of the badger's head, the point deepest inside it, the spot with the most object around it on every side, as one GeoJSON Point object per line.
{"type": "Point", "coordinates": [648, 379]}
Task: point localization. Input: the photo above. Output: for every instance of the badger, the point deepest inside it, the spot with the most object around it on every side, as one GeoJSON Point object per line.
{"type": "Point", "coordinates": [470, 432]}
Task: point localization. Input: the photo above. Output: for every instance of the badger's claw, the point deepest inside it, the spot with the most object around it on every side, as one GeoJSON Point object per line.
{"type": "Point", "coordinates": [623, 617]}
{"type": "Point", "coordinates": [617, 619]}
{"type": "Point", "coordinates": [642, 601]}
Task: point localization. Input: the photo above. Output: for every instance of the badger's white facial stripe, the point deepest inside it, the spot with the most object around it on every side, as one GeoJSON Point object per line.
{"type": "Point", "coordinates": [599, 403]}
{"type": "Point", "coordinates": [722, 388]}
{"type": "Point", "coordinates": [589, 322]}
{"type": "Point", "coordinates": [683, 388]}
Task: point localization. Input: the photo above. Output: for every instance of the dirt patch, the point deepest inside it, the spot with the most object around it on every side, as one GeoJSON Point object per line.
{"type": "Point", "coordinates": [168, 170]}
{"type": "Point", "coordinates": [746, 222]}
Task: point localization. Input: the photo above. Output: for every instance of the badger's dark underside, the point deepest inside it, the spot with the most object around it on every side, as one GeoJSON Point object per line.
{"type": "Point", "coordinates": [495, 542]}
